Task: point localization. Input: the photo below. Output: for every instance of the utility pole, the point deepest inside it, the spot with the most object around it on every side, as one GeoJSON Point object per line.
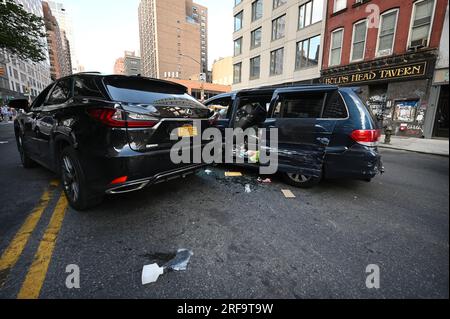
{"type": "Point", "coordinates": [202, 77]}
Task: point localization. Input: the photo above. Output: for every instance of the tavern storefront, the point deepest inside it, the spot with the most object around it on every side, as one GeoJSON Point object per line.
{"type": "Point", "coordinates": [398, 88]}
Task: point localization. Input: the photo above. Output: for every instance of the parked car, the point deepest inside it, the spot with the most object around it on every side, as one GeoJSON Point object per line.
{"type": "Point", "coordinates": [324, 131]}
{"type": "Point", "coordinates": [106, 134]}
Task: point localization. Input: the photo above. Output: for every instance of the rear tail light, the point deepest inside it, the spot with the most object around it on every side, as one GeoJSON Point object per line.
{"type": "Point", "coordinates": [367, 137]}
{"type": "Point", "coordinates": [119, 118]}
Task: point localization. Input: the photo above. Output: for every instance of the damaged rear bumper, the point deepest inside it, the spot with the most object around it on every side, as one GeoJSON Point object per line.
{"type": "Point", "coordinates": [357, 162]}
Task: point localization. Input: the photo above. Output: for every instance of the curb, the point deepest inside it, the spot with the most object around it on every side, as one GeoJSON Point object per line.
{"type": "Point", "coordinates": [413, 151]}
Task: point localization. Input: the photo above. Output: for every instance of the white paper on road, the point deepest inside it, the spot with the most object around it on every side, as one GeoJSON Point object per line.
{"type": "Point", "coordinates": [248, 189]}
{"type": "Point", "coordinates": [151, 273]}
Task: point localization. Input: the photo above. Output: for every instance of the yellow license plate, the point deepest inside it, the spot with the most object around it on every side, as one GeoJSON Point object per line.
{"type": "Point", "coordinates": [187, 131]}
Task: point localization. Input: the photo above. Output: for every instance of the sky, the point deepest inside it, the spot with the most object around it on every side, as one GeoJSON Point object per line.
{"type": "Point", "coordinates": [104, 29]}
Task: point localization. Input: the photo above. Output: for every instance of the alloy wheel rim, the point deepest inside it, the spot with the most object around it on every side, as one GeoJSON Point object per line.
{"type": "Point", "coordinates": [299, 178]}
{"type": "Point", "coordinates": [70, 179]}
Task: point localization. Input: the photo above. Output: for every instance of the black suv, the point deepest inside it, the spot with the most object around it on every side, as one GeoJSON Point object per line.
{"type": "Point", "coordinates": [107, 134]}
{"type": "Point", "coordinates": [323, 131]}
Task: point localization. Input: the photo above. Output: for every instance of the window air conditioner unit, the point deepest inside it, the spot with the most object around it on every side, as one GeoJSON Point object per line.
{"type": "Point", "coordinates": [417, 44]}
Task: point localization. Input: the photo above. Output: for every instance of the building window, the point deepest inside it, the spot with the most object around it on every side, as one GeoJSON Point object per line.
{"type": "Point", "coordinates": [421, 23]}
{"type": "Point", "coordinates": [257, 10]}
{"type": "Point", "coordinates": [307, 53]}
{"type": "Point", "coordinates": [359, 40]}
{"type": "Point", "coordinates": [256, 38]}
{"type": "Point", "coordinates": [236, 2]}
{"type": "Point", "coordinates": [237, 73]}
{"type": "Point", "coordinates": [386, 36]}
{"type": "Point", "coordinates": [278, 27]}
{"type": "Point", "coordinates": [238, 21]}
{"type": "Point", "coordinates": [276, 62]}
{"type": "Point", "coordinates": [255, 67]}
{"type": "Point", "coordinates": [310, 13]}
{"type": "Point", "coordinates": [278, 3]}
{"type": "Point", "coordinates": [336, 47]}
{"type": "Point", "coordinates": [339, 5]}
{"type": "Point", "coordinates": [238, 46]}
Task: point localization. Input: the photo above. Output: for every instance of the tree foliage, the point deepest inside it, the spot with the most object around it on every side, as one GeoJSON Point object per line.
{"type": "Point", "coordinates": [21, 32]}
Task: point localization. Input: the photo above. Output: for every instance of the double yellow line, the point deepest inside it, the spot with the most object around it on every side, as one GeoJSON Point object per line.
{"type": "Point", "coordinates": [37, 272]}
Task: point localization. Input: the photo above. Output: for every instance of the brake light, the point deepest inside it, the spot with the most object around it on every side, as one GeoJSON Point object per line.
{"type": "Point", "coordinates": [119, 118]}
{"type": "Point", "coordinates": [367, 137]}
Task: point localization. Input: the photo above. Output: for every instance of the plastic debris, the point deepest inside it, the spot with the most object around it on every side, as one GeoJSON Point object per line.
{"type": "Point", "coordinates": [264, 181]}
{"type": "Point", "coordinates": [180, 262]}
{"type": "Point", "coordinates": [208, 172]}
{"type": "Point", "coordinates": [151, 273]}
{"type": "Point", "coordinates": [233, 174]}
{"type": "Point", "coordinates": [248, 189]}
{"type": "Point", "coordinates": [287, 193]}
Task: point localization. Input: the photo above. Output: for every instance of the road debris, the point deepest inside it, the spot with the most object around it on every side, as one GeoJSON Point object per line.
{"type": "Point", "coordinates": [208, 172]}
{"type": "Point", "coordinates": [180, 262]}
{"type": "Point", "coordinates": [287, 193]}
{"type": "Point", "coordinates": [233, 174]}
{"type": "Point", "coordinates": [264, 181]}
{"type": "Point", "coordinates": [151, 273]}
{"type": "Point", "coordinates": [248, 189]}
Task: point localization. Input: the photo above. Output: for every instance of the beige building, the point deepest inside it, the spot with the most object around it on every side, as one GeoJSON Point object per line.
{"type": "Point", "coordinates": [277, 42]}
{"type": "Point", "coordinates": [222, 71]}
{"type": "Point", "coordinates": [174, 38]}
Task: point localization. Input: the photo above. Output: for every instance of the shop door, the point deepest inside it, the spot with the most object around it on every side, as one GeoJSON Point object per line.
{"type": "Point", "coordinates": [441, 124]}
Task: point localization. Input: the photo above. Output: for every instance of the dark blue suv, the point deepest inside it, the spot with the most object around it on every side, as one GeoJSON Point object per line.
{"type": "Point", "coordinates": [323, 131]}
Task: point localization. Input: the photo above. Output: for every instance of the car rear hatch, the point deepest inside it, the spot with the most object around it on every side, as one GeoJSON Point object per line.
{"type": "Point", "coordinates": [155, 110]}
{"type": "Point", "coordinates": [158, 114]}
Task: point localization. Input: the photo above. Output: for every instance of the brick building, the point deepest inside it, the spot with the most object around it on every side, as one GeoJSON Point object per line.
{"type": "Point", "coordinates": [388, 49]}
{"type": "Point", "coordinates": [173, 38]}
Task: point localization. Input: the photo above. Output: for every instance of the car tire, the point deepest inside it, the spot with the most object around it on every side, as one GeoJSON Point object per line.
{"type": "Point", "coordinates": [27, 162]}
{"type": "Point", "coordinates": [74, 182]}
{"type": "Point", "coordinates": [300, 181]}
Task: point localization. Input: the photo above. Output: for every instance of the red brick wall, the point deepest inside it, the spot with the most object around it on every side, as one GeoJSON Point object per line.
{"type": "Point", "coordinates": [347, 18]}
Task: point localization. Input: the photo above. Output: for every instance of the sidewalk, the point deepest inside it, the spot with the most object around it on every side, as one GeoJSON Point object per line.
{"type": "Point", "coordinates": [419, 145]}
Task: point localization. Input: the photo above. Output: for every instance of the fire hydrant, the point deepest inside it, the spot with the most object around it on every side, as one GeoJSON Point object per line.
{"type": "Point", "coordinates": [388, 133]}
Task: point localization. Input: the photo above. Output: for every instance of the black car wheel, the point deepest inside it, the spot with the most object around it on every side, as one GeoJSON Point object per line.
{"type": "Point", "coordinates": [301, 181]}
{"type": "Point", "coordinates": [74, 183]}
{"type": "Point", "coordinates": [27, 162]}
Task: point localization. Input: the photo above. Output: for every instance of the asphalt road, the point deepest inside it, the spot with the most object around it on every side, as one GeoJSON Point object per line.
{"type": "Point", "coordinates": [245, 245]}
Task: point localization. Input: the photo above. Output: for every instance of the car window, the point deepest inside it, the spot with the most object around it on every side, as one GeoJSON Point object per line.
{"type": "Point", "coordinates": [39, 101]}
{"type": "Point", "coordinates": [335, 107]}
{"type": "Point", "coordinates": [86, 87]}
{"type": "Point", "coordinates": [221, 106]}
{"type": "Point", "coordinates": [61, 92]}
{"type": "Point", "coordinates": [300, 105]}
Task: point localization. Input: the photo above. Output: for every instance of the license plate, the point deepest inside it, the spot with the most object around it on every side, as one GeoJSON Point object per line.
{"type": "Point", "coordinates": [187, 131]}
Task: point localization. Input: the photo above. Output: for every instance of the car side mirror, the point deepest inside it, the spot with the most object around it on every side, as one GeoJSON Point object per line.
{"type": "Point", "coordinates": [20, 104]}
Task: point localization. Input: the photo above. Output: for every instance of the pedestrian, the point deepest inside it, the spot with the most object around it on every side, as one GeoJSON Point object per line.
{"type": "Point", "coordinates": [4, 112]}
{"type": "Point", "coordinates": [10, 114]}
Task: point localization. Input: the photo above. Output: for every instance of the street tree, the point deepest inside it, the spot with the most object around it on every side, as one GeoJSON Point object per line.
{"type": "Point", "coordinates": [21, 32]}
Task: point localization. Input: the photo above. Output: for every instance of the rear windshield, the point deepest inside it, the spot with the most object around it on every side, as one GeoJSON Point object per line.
{"type": "Point", "coordinates": [142, 91]}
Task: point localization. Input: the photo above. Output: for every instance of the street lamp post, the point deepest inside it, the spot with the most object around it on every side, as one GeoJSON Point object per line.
{"type": "Point", "coordinates": [202, 77]}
